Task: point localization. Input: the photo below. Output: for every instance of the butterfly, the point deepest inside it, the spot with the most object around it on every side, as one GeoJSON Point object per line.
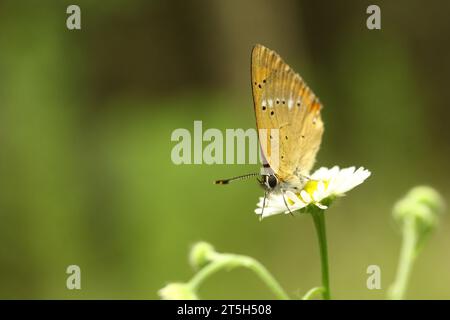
{"type": "Point", "coordinates": [288, 121]}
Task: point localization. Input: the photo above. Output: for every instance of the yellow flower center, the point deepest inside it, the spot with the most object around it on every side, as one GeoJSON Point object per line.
{"type": "Point", "coordinates": [310, 187]}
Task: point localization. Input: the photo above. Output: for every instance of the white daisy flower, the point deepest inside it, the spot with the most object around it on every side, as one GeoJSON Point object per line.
{"type": "Point", "coordinates": [324, 185]}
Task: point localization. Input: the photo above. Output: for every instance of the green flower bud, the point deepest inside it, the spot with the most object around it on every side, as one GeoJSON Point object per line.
{"type": "Point", "coordinates": [429, 197]}
{"type": "Point", "coordinates": [177, 291]}
{"type": "Point", "coordinates": [417, 213]}
{"type": "Point", "coordinates": [421, 206]}
{"type": "Point", "coordinates": [421, 202]}
{"type": "Point", "coordinates": [201, 254]}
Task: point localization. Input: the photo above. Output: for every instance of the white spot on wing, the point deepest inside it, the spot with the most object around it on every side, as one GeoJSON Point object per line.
{"type": "Point", "coordinates": [290, 104]}
{"type": "Point", "coordinates": [270, 101]}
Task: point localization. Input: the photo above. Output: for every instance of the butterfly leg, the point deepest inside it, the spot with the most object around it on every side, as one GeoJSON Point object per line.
{"type": "Point", "coordinates": [285, 202]}
{"type": "Point", "coordinates": [263, 206]}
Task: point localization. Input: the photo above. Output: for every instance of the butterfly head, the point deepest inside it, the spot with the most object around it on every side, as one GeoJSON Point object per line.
{"type": "Point", "coordinates": [269, 182]}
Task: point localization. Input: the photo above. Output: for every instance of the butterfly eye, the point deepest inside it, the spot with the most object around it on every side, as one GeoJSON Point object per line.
{"type": "Point", "coordinates": [271, 181]}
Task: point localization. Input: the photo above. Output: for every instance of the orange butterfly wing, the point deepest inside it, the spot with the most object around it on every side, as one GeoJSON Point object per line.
{"type": "Point", "coordinates": [283, 101]}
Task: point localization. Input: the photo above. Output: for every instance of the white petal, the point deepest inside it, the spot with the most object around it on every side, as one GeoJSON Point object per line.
{"type": "Point", "coordinates": [320, 174]}
{"type": "Point", "coordinates": [291, 196]}
{"type": "Point", "coordinates": [321, 187]}
{"type": "Point", "coordinates": [333, 171]}
{"type": "Point", "coordinates": [269, 211]}
{"type": "Point", "coordinates": [321, 206]}
{"type": "Point", "coordinates": [320, 192]}
{"type": "Point", "coordinates": [352, 180]}
{"type": "Point", "coordinates": [305, 196]}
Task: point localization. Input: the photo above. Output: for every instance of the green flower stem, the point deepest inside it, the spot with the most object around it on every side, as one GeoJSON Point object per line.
{"type": "Point", "coordinates": [407, 257]}
{"type": "Point", "coordinates": [319, 222]}
{"type": "Point", "coordinates": [313, 292]}
{"type": "Point", "coordinates": [229, 261]}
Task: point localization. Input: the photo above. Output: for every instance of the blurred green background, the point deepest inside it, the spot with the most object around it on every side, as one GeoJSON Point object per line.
{"type": "Point", "coordinates": [86, 118]}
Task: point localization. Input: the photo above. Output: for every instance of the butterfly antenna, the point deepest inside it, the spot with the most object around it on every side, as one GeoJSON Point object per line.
{"type": "Point", "coordinates": [245, 176]}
